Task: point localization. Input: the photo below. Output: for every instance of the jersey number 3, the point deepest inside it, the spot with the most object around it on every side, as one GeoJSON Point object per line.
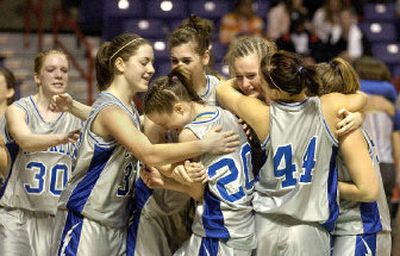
{"type": "Point", "coordinates": [285, 169]}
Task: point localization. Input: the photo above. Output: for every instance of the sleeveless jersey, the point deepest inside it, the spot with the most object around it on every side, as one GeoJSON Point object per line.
{"type": "Point", "coordinates": [101, 185]}
{"type": "Point", "coordinates": [226, 212]}
{"type": "Point", "coordinates": [299, 178]}
{"type": "Point", "coordinates": [210, 95]}
{"type": "Point", "coordinates": [3, 127]}
{"type": "Point", "coordinates": [359, 217]}
{"type": "Point", "coordinates": [36, 179]}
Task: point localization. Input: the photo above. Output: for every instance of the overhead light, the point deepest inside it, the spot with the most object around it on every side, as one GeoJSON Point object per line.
{"type": "Point", "coordinates": [376, 27]}
{"type": "Point", "coordinates": [380, 8]}
{"type": "Point", "coordinates": [209, 6]}
{"type": "Point", "coordinates": [159, 46]}
{"type": "Point", "coordinates": [393, 48]}
{"type": "Point", "coordinates": [144, 24]}
{"type": "Point", "coordinates": [166, 6]}
{"type": "Point", "coordinates": [123, 4]}
{"type": "Point", "coordinates": [225, 70]}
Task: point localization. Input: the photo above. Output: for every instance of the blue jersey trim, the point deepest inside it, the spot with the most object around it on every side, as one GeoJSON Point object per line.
{"type": "Point", "coordinates": [370, 217]}
{"type": "Point", "coordinates": [208, 88]}
{"type": "Point", "coordinates": [365, 245]}
{"type": "Point", "coordinates": [329, 225]}
{"type": "Point", "coordinates": [118, 100]}
{"type": "Point", "coordinates": [211, 119]}
{"type": "Point", "coordinates": [208, 247]}
{"type": "Point", "coordinates": [72, 229]}
{"type": "Point", "coordinates": [142, 195]}
{"type": "Point", "coordinates": [213, 219]}
{"type": "Point", "coordinates": [40, 116]}
{"type": "Point", "coordinates": [13, 150]}
{"type": "Point", "coordinates": [292, 104]}
{"type": "Point", "coordinates": [84, 188]}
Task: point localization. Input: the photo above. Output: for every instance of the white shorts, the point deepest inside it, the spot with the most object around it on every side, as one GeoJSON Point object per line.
{"type": "Point", "coordinates": [367, 244]}
{"type": "Point", "coordinates": [25, 233]}
{"type": "Point", "coordinates": [77, 235]}
{"type": "Point", "coordinates": [283, 236]}
{"type": "Point", "coordinates": [198, 245]}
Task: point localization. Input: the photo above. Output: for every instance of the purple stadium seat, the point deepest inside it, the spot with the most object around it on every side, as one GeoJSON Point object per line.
{"type": "Point", "coordinates": [218, 50]}
{"type": "Point", "coordinates": [147, 28]}
{"type": "Point", "coordinates": [261, 8]}
{"type": "Point", "coordinates": [135, 9]}
{"type": "Point", "coordinates": [379, 32]}
{"type": "Point", "coordinates": [210, 9]}
{"type": "Point", "coordinates": [223, 69]}
{"type": "Point", "coordinates": [387, 52]}
{"type": "Point", "coordinates": [166, 9]}
{"type": "Point", "coordinates": [162, 68]}
{"type": "Point", "coordinates": [379, 12]}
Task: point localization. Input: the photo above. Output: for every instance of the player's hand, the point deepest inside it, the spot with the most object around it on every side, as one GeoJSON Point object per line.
{"type": "Point", "coordinates": [180, 175]}
{"type": "Point", "coordinates": [70, 137]}
{"type": "Point", "coordinates": [217, 142]}
{"type": "Point", "coordinates": [350, 122]}
{"type": "Point", "coordinates": [196, 171]}
{"type": "Point", "coordinates": [61, 102]}
{"type": "Point", "coordinates": [152, 177]}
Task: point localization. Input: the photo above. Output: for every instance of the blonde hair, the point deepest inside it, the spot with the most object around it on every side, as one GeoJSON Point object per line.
{"type": "Point", "coordinates": [337, 76]}
{"type": "Point", "coordinates": [247, 45]}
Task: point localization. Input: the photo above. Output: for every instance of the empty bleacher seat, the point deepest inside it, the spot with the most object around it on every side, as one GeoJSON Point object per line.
{"type": "Point", "coordinates": [210, 9]}
{"type": "Point", "coordinates": [166, 9]}
{"type": "Point", "coordinates": [379, 12]}
{"type": "Point", "coordinates": [379, 31]}
{"type": "Point", "coordinates": [147, 28]}
{"type": "Point", "coordinates": [218, 51]}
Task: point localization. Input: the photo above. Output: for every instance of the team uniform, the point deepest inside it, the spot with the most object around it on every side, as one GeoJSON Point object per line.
{"type": "Point", "coordinates": [296, 195]}
{"type": "Point", "coordinates": [2, 136]}
{"type": "Point", "coordinates": [33, 185]}
{"type": "Point", "coordinates": [95, 208]}
{"type": "Point", "coordinates": [362, 228]}
{"type": "Point", "coordinates": [165, 215]}
{"type": "Point", "coordinates": [224, 220]}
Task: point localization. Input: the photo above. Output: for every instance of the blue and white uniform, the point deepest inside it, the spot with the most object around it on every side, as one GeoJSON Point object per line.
{"type": "Point", "coordinates": [296, 200]}
{"type": "Point", "coordinates": [95, 208]}
{"type": "Point", "coordinates": [33, 185]}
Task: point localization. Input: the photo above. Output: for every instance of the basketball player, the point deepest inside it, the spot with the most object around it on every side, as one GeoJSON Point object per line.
{"type": "Point", "coordinates": [363, 225]}
{"type": "Point", "coordinates": [224, 220]}
{"type": "Point", "coordinates": [42, 151]}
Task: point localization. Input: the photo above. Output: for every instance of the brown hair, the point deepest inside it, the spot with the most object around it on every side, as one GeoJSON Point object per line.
{"type": "Point", "coordinates": [247, 45]}
{"type": "Point", "coordinates": [122, 46]}
{"type": "Point", "coordinates": [286, 71]}
{"type": "Point", "coordinates": [167, 90]}
{"type": "Point", "coordinates": [41, 56]}
{"type": "Point", "coordinates": [193, 30]}
{"type": "Point", "coordinates": [370, 68]}
{"type": "Point", "coordinates": [337, 76]}
{"type": "Point", "coordinates": [10, 81]}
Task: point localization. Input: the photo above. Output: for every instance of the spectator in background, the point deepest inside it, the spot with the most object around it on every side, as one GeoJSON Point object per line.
{"type": "Point", "coordinates": [326, 21]}
{"type": "Point", "coordinates": [242, 21]}
{"type": "Point", "coordinates": [281, 16]}
{"type": "Point", "coordinates": [382, 120]}
{"type": "Point", "coordinates": [352, 43]}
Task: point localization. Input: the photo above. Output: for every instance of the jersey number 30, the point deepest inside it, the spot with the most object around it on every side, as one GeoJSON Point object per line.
{"type": "Point", "coordinates": [59, 171]}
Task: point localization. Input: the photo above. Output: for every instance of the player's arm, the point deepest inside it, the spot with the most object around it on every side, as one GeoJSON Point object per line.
{"type": "Point", "coordinates": [365, 183]}
{"type": "Point", "coordinates": [379, 103]}
{"type": "Point", "coordinates": [65, 103]}
{"type": "Point", "coordinates": [112, 122]}
{"type": "Point", "coordinates": [251, 110]}
{"type": "Point", "coordinates": [28, 140]}
{"type": "Point", "coordinates": [4, 160]}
